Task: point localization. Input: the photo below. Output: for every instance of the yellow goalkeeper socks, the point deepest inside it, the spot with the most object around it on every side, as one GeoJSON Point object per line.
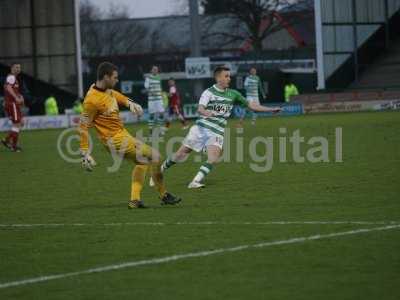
{"type": "Point", "coordinates": [158, 179]}
{"type": "Point", "coordinates": [138, 177]}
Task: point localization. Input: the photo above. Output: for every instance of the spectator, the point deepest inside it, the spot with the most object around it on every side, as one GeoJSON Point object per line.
{"type": "Point", "coordinates": [290, 90]}
{"type": "Point", "coordinates": [51, 106]}
{"type": "Point", "coordinates": [77, 108]}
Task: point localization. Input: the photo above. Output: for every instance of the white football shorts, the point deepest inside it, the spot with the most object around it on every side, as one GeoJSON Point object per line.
{"type": "Point", "coordinates": [156, 107]}
{"type": "Point", "coordinates": [199, 138]}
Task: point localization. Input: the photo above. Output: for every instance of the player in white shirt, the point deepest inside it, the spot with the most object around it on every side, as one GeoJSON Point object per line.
{"type": "Point", "coordinates": [155, 103]}
{"type": "Point", "coordinates": [215, 107]}
{"type": "Point", "coordinates": [254, 88]}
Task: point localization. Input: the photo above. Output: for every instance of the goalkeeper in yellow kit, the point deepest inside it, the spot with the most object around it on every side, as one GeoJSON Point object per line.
{"type": "Point", "coordinates": [100, 110]}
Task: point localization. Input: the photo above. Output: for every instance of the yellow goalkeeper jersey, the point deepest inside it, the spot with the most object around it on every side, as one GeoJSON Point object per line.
{"type": "Point", "coordinates": [101, 111]}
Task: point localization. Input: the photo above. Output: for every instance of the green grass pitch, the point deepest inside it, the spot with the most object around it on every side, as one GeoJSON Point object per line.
{"type": "Point", "coordinates": [38, 187]}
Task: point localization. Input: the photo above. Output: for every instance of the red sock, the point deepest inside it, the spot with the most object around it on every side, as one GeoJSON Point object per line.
{"type": "Point", "coordinates": [15, 139]}
{"type": "Point", "coordinates": [8, 137]}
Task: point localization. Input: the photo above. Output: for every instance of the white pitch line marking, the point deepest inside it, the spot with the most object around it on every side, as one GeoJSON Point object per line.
{"type": "Point", "coordinates": [50, 225]}
{"type": "Point", "coordinates": [160, 260]}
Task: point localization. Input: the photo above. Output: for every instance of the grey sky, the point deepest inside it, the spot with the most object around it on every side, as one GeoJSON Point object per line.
{"type": "Point", "coordinates": [146, 8]}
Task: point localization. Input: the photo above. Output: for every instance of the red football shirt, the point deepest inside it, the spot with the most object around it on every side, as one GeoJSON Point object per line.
{"type": "Point", "coordinates": [174, 98]}
{"type": "Point", "coordinates": [12, 81]}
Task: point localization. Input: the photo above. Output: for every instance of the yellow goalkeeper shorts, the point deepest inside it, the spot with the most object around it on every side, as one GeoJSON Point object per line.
{"type": "Point", "coordinates": [125, 145]}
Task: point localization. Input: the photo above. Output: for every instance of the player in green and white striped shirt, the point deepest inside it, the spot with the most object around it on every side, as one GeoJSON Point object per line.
{"type": "Point", "coordinates": [253, 87]}
{"type": "Point", "coordinates": [215, 107]}
{"type": "Point", "coordinates": [155, 103]}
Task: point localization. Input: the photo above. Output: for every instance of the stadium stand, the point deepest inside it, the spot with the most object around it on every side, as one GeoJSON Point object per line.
{"type": "Point", "coordinates": [384, 72]}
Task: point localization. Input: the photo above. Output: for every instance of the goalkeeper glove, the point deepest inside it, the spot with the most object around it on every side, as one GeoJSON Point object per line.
{"type": "Point", "coordinates": [135, 108]}
{"type": "Point", "coordinates": [87, 161]}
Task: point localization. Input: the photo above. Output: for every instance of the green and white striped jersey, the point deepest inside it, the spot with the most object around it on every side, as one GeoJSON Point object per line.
{"type": "Point", "coordinates": [252, 84]}
{"type": "Point", "coordinates": [221, 103]}
{"type": "Point", "coordinates": [153, 87]}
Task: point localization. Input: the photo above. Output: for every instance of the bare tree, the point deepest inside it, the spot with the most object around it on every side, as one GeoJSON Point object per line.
{"type": "Point", "coordinates": [251, 20]}
{"type": "Point", "coordinates": [108, 33]}
{"type": "Point", "coordinates": [89, 12]}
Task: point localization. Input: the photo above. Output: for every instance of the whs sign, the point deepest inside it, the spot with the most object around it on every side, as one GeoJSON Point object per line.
{"type": "Point", "coordinates": [197, 67]}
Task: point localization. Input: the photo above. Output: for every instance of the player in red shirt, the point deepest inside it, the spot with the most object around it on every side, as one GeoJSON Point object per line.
{"type": "Point", "coordinates": [175, 103]}
{"type": "Point", "coordinates": [13, 100]}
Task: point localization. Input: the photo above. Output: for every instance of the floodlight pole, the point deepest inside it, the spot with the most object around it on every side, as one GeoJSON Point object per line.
{"type": "Point", "coordinates": [319, 44]}
{"type": "Point", "coordinates": [78, 52]}
{"type": "Point", "coordinates": [355, 40]}
{"type": "Point", "coordinates": [195, 40]}
{"type": "Point", "coordinates": [34, 46]}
